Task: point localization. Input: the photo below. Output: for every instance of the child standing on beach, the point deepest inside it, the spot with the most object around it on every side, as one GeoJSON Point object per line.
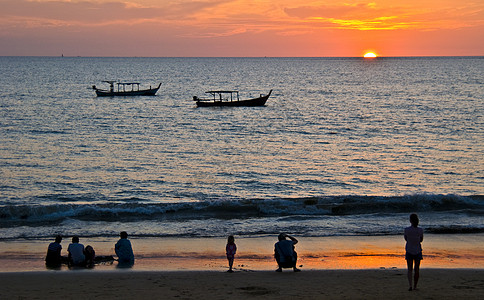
{"type": "Point", "coordinates": [413, 250]}
{"type": "Point", "coordinates": [230, 250]}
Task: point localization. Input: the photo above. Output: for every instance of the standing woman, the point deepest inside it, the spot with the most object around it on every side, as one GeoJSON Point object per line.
{"type": "Point", "coordinates": [413, 250]}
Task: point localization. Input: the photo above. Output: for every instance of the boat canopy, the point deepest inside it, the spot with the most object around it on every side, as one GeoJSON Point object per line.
{"type": "Point", "coordinates": [234, 95]}
{"type": "Point", "coordinates": [128, 83]}
{"type": "Point", "coordinates": [221, 92]}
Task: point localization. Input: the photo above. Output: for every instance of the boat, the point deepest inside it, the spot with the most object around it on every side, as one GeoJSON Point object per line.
{"type": "Point", "coordinates": [229, 98]}
{"type": "Point", "coordinates": [125, 89]}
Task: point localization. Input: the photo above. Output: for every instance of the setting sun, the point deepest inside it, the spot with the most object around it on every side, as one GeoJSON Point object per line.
{"type": "Point", "coordinates": [369, 55]}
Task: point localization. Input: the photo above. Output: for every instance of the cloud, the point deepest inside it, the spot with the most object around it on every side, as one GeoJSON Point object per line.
{"type": "Point", "coordinates": [91, 12]}
{"type": "Point", "coordinates": [329, 11]}
{"type": "Point", "coordinates": [372, 16]}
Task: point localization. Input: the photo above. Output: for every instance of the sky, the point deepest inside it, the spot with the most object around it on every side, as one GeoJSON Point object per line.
{"type": "Point", "coordinates": [241, 28]}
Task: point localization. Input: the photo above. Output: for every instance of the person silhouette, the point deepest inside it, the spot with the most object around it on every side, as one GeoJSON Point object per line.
{"type": "Point", "coordinates": [53, 259]}
{"type": "Point", "coordinates": [230, 251]}
{"type": "Point", "coordinates": [413, 250]}
{"type": "Point", "coordinates": [284, 252]}
{"type": "Point", "coordinates": [76, 252]}
{"type": "Point", "coordinates": [124, 250]}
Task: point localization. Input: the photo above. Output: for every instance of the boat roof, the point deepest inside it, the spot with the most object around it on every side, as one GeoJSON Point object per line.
{"type": "Point", "coordinates": [120, 83]}
{"type": "Point", "coordinates": [221, 92]}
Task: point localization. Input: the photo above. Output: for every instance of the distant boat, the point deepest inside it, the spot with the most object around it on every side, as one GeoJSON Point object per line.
{"type": "Point", "coordinates": [125, 89]}
{"type": "Point", "coordinates": [230, 98]}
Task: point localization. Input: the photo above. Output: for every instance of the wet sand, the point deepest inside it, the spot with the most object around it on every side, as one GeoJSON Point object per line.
{"type": "Point", "coordinates": [195, 268]}
{"type": "Point", "coordinates": [256, 254]}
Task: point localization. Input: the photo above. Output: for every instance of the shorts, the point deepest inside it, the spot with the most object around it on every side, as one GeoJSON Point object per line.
{"type": "Point", "coordinates": [409, 256]}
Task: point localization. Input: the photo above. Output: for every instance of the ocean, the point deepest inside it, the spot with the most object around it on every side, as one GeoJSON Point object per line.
{"type": "Point", "coordinates": [343, 147]}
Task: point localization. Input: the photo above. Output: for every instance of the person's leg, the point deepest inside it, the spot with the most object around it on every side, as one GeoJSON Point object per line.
{"type": "Point", "coordinates": [417, 273]}
{"type": "Point", "coordinates": [409, 272]}
{"type": "Point", "coordinates": [295, 263]}
{"type": "Point", "coordinates": [279, 266]}
{"type": "Point", "coordinates": [231, 263]}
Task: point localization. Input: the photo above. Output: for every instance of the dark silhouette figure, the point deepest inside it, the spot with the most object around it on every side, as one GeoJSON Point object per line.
{"type": "Point", "coordinates": [124, 251]}
{"type": "Point", "coordinates": [413, 250]}
{"type": "Point", "coordinates": [90, 255]}
{"type": "Point", "coordinates": [284, 252]}
{"type": "Point", "coordinates": [53, 259]}
{"type": "Point", "coordinates": [76, 253]}
{"type": "Point", "coordinates": [230, 251]}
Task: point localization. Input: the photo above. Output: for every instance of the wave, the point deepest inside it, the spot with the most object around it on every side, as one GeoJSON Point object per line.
{"type": "Point", "coordinates": [134, 210]}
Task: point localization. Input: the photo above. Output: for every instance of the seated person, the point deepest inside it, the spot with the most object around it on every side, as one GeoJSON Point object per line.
{"type": "Point", "coordinates": [53, 258]}
{"type": "Point", "coordinates": [123, 250]}
{"type": "Point", "coordinates": [76, 253]}
{"type": "Point", "coordinates": [90, 254]}
{"type": "Point", "coordinates": [284, 252]}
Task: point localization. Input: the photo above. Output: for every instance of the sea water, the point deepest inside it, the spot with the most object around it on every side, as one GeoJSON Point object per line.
{"type": "Point", "coordinates": [344, 146]}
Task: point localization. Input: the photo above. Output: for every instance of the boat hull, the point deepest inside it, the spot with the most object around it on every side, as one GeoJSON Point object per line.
{"type": "Point", "coordinates": [260, 101]}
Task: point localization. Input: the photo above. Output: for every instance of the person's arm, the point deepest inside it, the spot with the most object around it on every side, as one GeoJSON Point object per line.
{"type": "Point", "coordinates": [293, 239]}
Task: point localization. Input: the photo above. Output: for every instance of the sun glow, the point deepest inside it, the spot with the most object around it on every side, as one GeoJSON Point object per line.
{"type": "Point", "coordinates": [369, 55]}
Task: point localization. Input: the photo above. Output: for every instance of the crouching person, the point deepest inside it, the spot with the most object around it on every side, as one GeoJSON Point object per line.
{"type": "Point", "coordinates": [284, 252]}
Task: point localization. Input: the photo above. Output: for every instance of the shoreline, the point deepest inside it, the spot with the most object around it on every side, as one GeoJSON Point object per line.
{"type": "Point", "coordinates": [327, 284]}
{"type": "Point", "coordinates": [456, 251]}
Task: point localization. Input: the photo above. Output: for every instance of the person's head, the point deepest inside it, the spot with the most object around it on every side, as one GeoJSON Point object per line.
{"type": "Point", "coordinates": [414, 220]}
{"type": "Point", "coordinates": [89, 249]}
{"type": "Point", "coordinates": [231, 239]}
{"type": "Point", "coordinates": [75, 239]}
{"type": "Point", "coordinates": [58, 239]}
{"type": "Point", "coordinates": [282, 236]}
{"type": "Point", "coordinates": [123, 235]}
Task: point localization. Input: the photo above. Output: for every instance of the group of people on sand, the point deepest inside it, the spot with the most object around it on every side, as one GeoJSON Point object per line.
{"type": "Point", "coordinates": [284, 252]}
{"type": "Point", "coordinates": [286, 256]}
{"type": "Point", "coordinates": [80, 256]}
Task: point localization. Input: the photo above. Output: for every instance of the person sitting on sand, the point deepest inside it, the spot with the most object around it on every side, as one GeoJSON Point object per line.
{"type": "Point", "coordinates": [90, 254]}
{"type": "Point", "coordinates": [76, 252]}
{"type": "Point", "coordinates": [123, 250]}
{"type": "Point", "coordinates": [284, 252]}
{"type": "Point", "coordinates": [230, 251]}
{"type": "Point", "coordinates": [53, 257]}
{"type": "Point", "coordinates": [413, 250]}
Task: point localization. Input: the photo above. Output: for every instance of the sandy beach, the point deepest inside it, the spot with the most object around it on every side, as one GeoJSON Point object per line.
{"type": "Point", "coordinates": [458, 251]}
{"type": "Point", "coordinates": [329, 284]}
{"type": "Point", "coordinates": [332, 268]}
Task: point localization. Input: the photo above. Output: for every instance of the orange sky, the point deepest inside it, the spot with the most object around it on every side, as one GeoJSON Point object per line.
{"type": "Point", "coordinates": [241, 27]}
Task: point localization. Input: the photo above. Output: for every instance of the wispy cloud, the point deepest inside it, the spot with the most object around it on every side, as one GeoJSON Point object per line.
{"type": "Point", "coordinates": [92, 12]}
{"type": "Point", "coordinates": [372, 16]}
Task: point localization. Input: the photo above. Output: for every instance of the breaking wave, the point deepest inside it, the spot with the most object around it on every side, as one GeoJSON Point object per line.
{"type": "Point", "coordinates": [12, 215]}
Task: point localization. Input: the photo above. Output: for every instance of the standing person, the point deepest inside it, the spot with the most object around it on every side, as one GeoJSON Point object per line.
{"type": "Point", "coordinates": [123, 250]}
{"type": "Point", "coordinates": [76, 252]}
{"type": "Point", "coordinates": [413, 250]}
{"type": "Point", "coordinates": [53, 258]}
{"type": "Point", "coordinates": [230, 250]}
{"type": "Point", "coordinates": [284, 252]}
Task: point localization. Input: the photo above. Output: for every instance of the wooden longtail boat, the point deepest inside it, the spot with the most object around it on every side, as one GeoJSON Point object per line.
{"type": "Point", "coordinates": [230, 98]}
{"type": "Point", "coordinates": [124, 90]}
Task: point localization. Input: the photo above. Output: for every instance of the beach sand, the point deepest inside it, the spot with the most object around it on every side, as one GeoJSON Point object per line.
{"type": "Point", "coordinates": [328, 284]}
{"type": "Point", "coordinates": [455, 251]}
{"type": "Point", "coordinates": [195, 268]}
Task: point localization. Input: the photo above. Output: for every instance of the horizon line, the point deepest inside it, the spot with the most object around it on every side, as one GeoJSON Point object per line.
{"type": "Point", "coordinates": [379, 56]}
